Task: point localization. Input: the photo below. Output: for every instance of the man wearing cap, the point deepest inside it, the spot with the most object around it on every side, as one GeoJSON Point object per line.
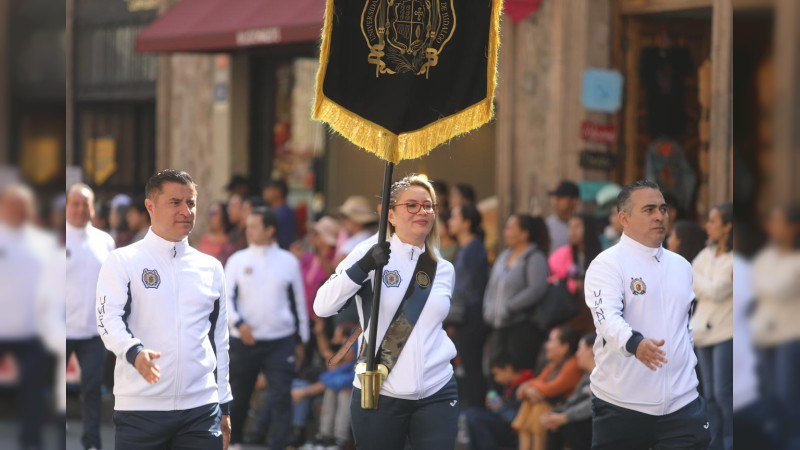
{"type": "Point", "coordinates": [564, 202]}
{"type": "Point", "coordinates": [358, 220]}
{"type": "Point", "coordinates": [274, 194]}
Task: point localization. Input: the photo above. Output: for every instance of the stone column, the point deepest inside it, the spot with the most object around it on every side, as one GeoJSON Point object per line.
{"type": "Point", "coordinates": [720, 144]}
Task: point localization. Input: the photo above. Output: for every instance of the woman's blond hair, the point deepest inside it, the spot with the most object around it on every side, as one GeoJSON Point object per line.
{"type": "Point", "coordinates": [399, 186]}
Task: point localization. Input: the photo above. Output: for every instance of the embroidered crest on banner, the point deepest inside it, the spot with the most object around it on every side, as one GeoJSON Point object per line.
{"type": "Point", "coordinates": [391, 278]}
{"type": "Point", "coordinates": [151, 279]}
{"type": "Point", "coordinates": [406, 36]}
{"type": "Point", "coordinates": [637, 286]}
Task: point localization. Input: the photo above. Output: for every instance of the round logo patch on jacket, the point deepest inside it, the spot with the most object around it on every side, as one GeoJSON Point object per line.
{"type": "Point", "coordinates": [391, 278]}
{"type": "Point", "coordinates": [637, 286]}
{"type": "Point", "coordinates": [151, 279]}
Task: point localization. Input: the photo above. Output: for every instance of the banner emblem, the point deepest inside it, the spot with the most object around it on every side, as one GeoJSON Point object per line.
{"type": "Point", "coordinates": [406, 36]}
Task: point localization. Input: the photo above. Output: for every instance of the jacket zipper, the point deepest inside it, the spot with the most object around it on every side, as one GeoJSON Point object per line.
{"type": "Point", "coordinates": [178, 316]}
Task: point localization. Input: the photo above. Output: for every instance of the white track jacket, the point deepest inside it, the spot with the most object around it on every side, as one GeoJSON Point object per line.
{"type": "Point", "coordinates": [423, 367]}
{"type": "Point", "coordinates": [167, 297]}
{"type": "Point", "coordinates": [635, 291]}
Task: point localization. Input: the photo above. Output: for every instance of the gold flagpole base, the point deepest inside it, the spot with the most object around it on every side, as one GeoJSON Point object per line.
{"type": "Point", "coordinates": [371, 383]}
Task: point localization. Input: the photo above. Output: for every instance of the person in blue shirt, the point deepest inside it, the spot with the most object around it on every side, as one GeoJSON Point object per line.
{"type": "Point", "coordinates": [275, 193]}
{"type": "Point", "coordinates": [472, 273]}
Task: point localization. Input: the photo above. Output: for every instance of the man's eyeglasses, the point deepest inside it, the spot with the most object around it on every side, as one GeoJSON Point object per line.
{"type": "Point", "coordinates": [414, 207]}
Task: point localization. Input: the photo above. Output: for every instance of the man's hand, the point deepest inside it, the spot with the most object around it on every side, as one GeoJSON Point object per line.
{"type": "Point", "coordinates": [553, 421]}
{"type": "Point", "coordinates": [148, 369]}
{"type": "Point", "coordinates": [649, 353]}
{"type": "Point", "coordinates": [246, 333]}
{"type": "Point", "coordinates": [225, 426]}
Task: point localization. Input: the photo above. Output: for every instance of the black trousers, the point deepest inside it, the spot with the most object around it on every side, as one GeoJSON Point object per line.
{"type": "Point", "coordinates": [574, 435]}
{"type": "Point", "coordinates": [277, 360]}
{"type": "Point", "coordinates": [429, 423]}
{"type": "Point", "coordinates": [522, 342]}
{"type": "Point", "coordinates": [616, 428]}
{"type": "Point", "coordinates": [189, 429]}
{"type": "Point", "coordinates": [469, 339]}
{"type": "Point", "coordinates": [91, 355]}
{"type": "Point", "coordinates": [31, 360]}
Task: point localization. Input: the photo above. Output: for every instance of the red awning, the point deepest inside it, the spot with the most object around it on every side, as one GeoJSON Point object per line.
{"type": "Point", "coordinates": [219, 25]}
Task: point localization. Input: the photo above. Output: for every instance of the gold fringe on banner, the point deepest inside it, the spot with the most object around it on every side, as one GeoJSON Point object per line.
{"type": "Point", "coordinates": [392, 147]}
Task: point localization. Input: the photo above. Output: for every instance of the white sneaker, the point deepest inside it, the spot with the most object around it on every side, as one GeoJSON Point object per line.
{"type": "Point", "coordinates": [235, 447]}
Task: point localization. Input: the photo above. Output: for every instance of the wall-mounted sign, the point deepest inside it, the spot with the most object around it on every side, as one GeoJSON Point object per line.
{"type": "Point", "coordinates": [596, 132]}
{"type": "Point", "coordinates": [594, 159]}
{"type": "Point", "coordinates": [602, 90]}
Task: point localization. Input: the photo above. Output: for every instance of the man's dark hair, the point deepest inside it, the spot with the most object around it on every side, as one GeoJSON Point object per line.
{"type": "Point", "coordinates": [624, 197]}
{"type": "Point", "coordinates": [589, 338]}
{"type": "Point", "coordinates": [268, 217]}
{"type": "Point", "coordinates": [502, 360]}
{"type": "Point", "coordinates": [280, 185]}
{"type": "Point", "coordinates": [155, 185]}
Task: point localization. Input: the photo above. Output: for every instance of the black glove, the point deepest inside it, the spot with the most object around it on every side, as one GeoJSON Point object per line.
{"type": "Point", "coordinates": [377, 256]}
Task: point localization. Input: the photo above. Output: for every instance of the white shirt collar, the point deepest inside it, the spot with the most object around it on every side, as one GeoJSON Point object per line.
{"type": "Point", "coordinates": [404, 249]}
{"type": "Point", "coordinates": [173, 248]}
{"type": "Point", "coordinates": [657, 252]}
{"type": "Point", "coordinates": [77, 231]}
{"type": "Point", "coordinates": [263, 249]}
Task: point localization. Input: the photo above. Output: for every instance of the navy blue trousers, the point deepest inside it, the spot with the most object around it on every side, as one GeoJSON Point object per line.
{"type": "Point", "coordinates": [489, 431]}
{"type": "Point", "coordinates": [615, 428]}
{"type": "Point", "coordinates": [189, 429]}
{"type": "Point", "coordinates": [91, 355]}
{"type": "Point", "coordinates": [429, 423]}
{"type": "Point", "coordinates": [277, 360]}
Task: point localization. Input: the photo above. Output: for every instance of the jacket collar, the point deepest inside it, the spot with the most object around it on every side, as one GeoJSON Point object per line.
{"type": "Point", "coordinates": [409, 251]}
{"type": "Point", "coordinates": [657, 253]}
{"type": "Point", "coordinates": [77, 232]}
{"type": "Point", "coordinates": [263, 249]}
{"type": "Point", "coordinates": [162, 245]}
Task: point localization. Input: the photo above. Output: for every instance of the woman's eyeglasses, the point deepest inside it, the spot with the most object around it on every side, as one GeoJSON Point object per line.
{"type": "Point", "coordinates": [414, 207]}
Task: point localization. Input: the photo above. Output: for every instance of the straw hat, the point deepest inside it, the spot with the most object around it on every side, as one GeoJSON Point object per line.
{"type": "Point", "coordinates": [328, 230]}
{"type": "Point", "coordinates": [358, 209]}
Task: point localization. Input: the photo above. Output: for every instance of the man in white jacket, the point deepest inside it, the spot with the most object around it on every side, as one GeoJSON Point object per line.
{"type": "Point", "coordinates": [161, 309]}
{"type": "Point", "coordinates": [268, 319]}
{"type": "Point", "coordinates": [644, 384]}
{"type": "Point", "coordinates": [87, 249]}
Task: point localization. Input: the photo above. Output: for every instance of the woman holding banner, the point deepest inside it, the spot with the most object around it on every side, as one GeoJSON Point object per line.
{"type": "Point", "coordinates": [418, 398]}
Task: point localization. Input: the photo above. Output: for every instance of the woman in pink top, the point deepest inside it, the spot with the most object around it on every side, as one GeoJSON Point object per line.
{"type": "Point", "coordinates": [569, 263]}
{"type": "Point", "coordinates": [317, 264]}
{"type": "Point", "coordinates": [216, 242]}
